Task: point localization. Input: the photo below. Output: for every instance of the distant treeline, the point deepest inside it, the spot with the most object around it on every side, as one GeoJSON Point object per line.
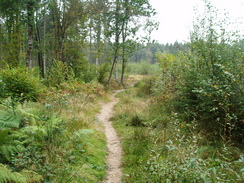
{"type": "Point", "coordinates": [147, 53]}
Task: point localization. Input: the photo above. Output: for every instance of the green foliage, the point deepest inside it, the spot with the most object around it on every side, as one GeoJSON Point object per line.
{"type": "Point", "coordinates": [145, 86]}
{"type": "Point", "coordinates": [20, 83]}
{"type": "Point", "coordinates": [8, 150]}
{"type": "Point", "coordinates": [179, 161]}
{"type": "Point", "coordinates": [88, 72]}
{"type": "Point", "coordinates": [142, 68]}
{"type": "Point", "coordinates": [215, 99]}
{"type": "Point", "coordinates": [103, 73]}
{"type": "Point", "coordinates": [165, 148]}
{"type": "Point", "coordinates": [57, 73]}
{"type": "Point", "coordinates": [205, 86]}
{"type": "Point", "coordinates": [12, 118]}
{"type": "Point", "coordinates": [9, 119]}
{"type": "Point", "coordinates": [212, 89]}
{"type": "Point", "coordinates": [8, 176]}
{"type": "Point", "coordinates": [58, 130]}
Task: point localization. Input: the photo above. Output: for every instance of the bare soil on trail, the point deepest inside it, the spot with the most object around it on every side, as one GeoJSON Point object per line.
{"type": "Point", "coordinates": [114, 172]}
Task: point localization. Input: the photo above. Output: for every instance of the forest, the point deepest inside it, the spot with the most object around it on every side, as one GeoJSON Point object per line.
{"type": "Point", "coordinates": [179, 119]}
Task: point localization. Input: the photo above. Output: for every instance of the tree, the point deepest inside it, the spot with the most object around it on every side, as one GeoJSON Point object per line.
{"type": "Point", "coordinates": [41, 24]}
{"type": "Point", "coordinates": [19, 16]}
{"type": "Point", "coordinates": [124, 23]}
{"type": "Point", "coordinates": [12, 30]}
{"type": "Point", "coordinates": [31, 8]}
{"type": "Point", "coordinates": [64, 14]}
{"type": "Point", "coordinates": [97, 14]}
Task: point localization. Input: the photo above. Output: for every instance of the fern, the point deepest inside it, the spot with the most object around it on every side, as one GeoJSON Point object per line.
{"type": "Point", "coordinates": [29, 135]}
{"type": "Point", "coordinates": [32, 176]}
{"type": "Point", "coordinates": [9, 119]}
{"type": "Point", "coordinates": [83, 132]}
{"type": "Point", "coordinates": [12, 113]}
{"type": "Point", "coordinates": [9, 145]}
{"type": "Point", "coordinates": [7, 175]}
{"type": "Point", "coordinates": [26, 114]}
{"type": "Point", "coordinates": [8, 150]}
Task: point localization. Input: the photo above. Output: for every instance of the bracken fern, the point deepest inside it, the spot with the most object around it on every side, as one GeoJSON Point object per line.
{"type": "Point", "coordinates": [6, 175]}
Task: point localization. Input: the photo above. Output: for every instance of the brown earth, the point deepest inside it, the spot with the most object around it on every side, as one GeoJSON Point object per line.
{"type": "Point", "coordinates": [114, 156]}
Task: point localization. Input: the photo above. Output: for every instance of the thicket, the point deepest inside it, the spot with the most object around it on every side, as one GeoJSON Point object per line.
{"type": "Point", "coordinates": [52, 139]}
{"type": "Point", "coordinates": [205, 86]}
{"type": "Point", "coordinates": [161, 147]}
{"type": "Point", "coordinates": [20, 84]}
{"type": "Point", "coordinates": [190, 127]}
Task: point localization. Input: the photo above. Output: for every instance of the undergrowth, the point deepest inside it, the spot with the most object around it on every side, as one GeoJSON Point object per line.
{"type": "Point", "coordinates": [159, 147]}
{"type": "Point", "coordinates": [56, 139]}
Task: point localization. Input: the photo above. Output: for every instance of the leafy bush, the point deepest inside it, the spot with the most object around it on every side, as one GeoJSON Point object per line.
{"type": "Point", "coordinates": [57, 73]}
{"type": "Point", "coordinates": [20, 83]}
{"type": "Point", "coordinates": [212, 87]}
{"type": "Point", "coordinates": [88, 73]}
{"type": "Point", "coordinates": [205, 85]}
{"type": "Point", "coordinates": [103, 73]}
{"type": "Point", "coordinates": [145, 87]}
{"type": "Point", "coordinates": [179, 161]}
{"type": "Point", "coordinates": [143, 68]}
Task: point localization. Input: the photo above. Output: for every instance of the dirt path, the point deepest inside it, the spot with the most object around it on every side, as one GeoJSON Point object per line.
{"type": "Point", "coordinates": [114, 172]}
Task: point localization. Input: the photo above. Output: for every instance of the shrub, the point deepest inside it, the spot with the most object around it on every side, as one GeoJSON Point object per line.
{"type": "Point", "coordinates": [179, 161]}
{"type": "Point", "coordinates": [205, 85]}
{"type": "Point", "coordinates": [212, 88]}
{"type": "Point", "coordinates": [103, 73]}
{"type": "Point", "coordinates": [142, 68]}
{"type": "Point", "coordinates": [20, 83]}
{"type": "Point", "coordinates": [57, 73]}
{"type": "Point", "coordinates": [145, 87]}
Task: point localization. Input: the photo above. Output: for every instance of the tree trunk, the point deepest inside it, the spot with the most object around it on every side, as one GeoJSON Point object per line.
{"type": "Point", "coordinates": [30, 24]}
{"type": "Point", "coordinates": [123, 69]}
{"type": "Point", "coordinates": [117, 36]}
{"type": "Point", "coordinates": [112, 68]}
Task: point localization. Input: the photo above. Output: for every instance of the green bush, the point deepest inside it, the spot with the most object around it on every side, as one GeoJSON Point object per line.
{"type": "Point", "coordinates": [103, 73]}
{"type": "Point", "coordinates": [145, 86]}
{"type": "Point", "coordinates": [142, 68]}
{"type": "Point", "coordinates": [205, 85]}
{"type": "Point", "coordinates": [20, 83]}
{"type": "Point", "coordinates": [211, 93]}
{"type": "Point", "coordinates": [57, 73]}
{"type": "Point", "coordinates": [88, 73]}
{"type": "Point", "coordinates": [179, 161]}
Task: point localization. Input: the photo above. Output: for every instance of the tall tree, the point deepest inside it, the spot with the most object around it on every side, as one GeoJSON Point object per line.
{"type": "Point", "coordinates": [64, 14]}
{"type": "Point", "coordinates": [31, 6]}
{"type": "Point", "coordinates": [98, 13]}
{"type": "Point", "coordinates": [19, 18]}
{"type": "Point", "coordinates": [41, 29]}
{"type": "Point", "coordinates": [12, 30]}
{"type": "Point", "coordinates": [124, 23]}
{"type": "Point", "coordinates": [116, 31]}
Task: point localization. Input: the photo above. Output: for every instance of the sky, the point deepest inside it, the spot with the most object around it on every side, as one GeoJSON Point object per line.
{"type": "Point", "coordinates": [176, 17]}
